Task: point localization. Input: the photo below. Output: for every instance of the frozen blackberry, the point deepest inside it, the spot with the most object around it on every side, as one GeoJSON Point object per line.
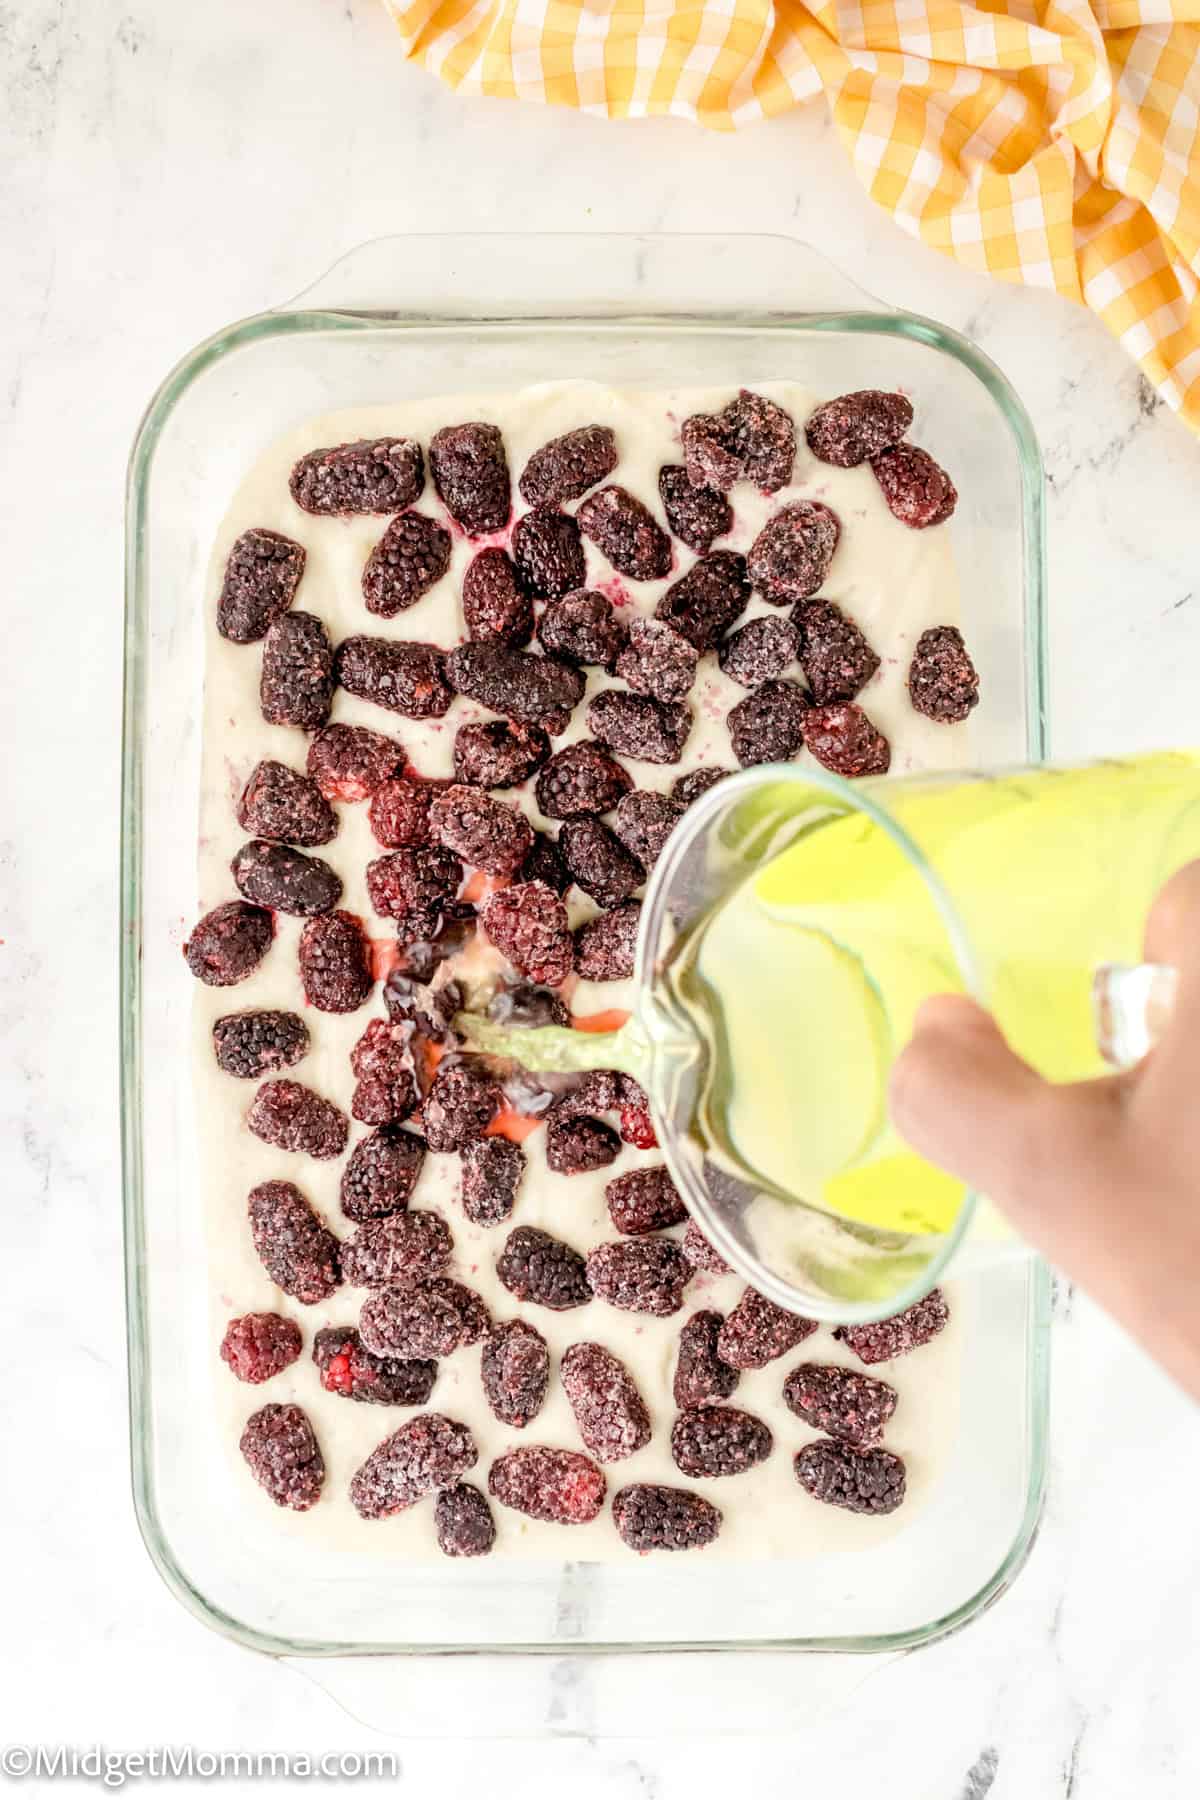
{"type": "Point", "coordinates": [646, 1275]}
{"type": "Point", "coordinates": [409, 679]}
{"type": "Point", "coordinates": [492, 1168]}
{"type": "Point", "coordinates": [284, 1456]}
{"type": "Point", "coordinates": [579, 780]}
{"type": "Point", "coordinates": [598, 861]}
{"type": "Point", "coordinates": [463, 1521]}
{"type": "Point", "coordinates": [599, 1091]}
{"type": "Point", "coordinates": [844, 740]}
{"type": "Point", "coordinates": [301, 1255]}
{"type": "Point", "coordinates": [634, 725]}
{"type": "Point", "coordinates": [576, 1146]}
{"type": "Point", "coordinates": [375, 475]}
{"type": "Point", "coordinates": [515, 1372]}
{"type": "Point", "coordinates": [846, 431]}
{"type": "Point", "coordinates": [566, 467]}
{"type": "Point", "coordinates": [494, 603]}
{"type": "Point", "coordinates": [696, 515]}
{"type": "Point", "coordinates": [840, 1402]}
{"type": "Point", "coordinates": [528, 924]}
{"type": "Point", "coordinates": [863, 1481]}
{"type": "Point", "coordinates": [609, 1411]}
{"type": "Point", "coordinates": [711, 1441]}
{"type": "Point", "coordinates": [523, 1004]}
{"type": "Point", "coordinates": [605, 946]}
{"type": "Point", "coordinates": [382, 1173]}
{"type": "Point", "coordinates": [411, 556]}
{"type": "Point", "coordinates": [291, 1117]}
{"type": "Point", "coordinates": [548, 552]}
{"type": "Point", "coordinates": [297, 682]}
{"type": "Point", "coordinates": [644, 1200]}
{"type": "Point", "coordinates": [535, 690]}
{"type": "Point", "coordinates": [382, 1064]}
{"type": "Point", "coordinates": [484, 832]}
{"type": "Point", "coordinates": [430, 1317]}
{"type": "Point", "coordinates": [260, 1345]}
{"type": "Point", "coordinates": [545, 864]}
{"type": "Point", "coordinates": [658, 661]}
{"type": "Point", "coordinates": [757, 1331]}
{"type": "Point", "coordinates": [285, 807]}
{"type": "Point", "coordinates": [401, 1247]}
{"type": "Point", "coordinates": [644, 821]}
{"type": "Point", "coordinates": [703, 604]}
{"type": "Point", "coordinates": [700, 1252]}
{"type": "Point", "coordinates": [251, 1044]}
{"type": "Point", "coordinates": [942, 680]}
{"type": "Point", "coordinates": [417, 879]}
{"type": "Point", "coordinates": [347, 1369]}
{"type": "Point", "coordinates": [260, 582]}
{"type": "Point", "coordinates": [399, 812]}
{"type": "Point", "coordinates": [287, 881]}
{"type": "Point", "coordinates": [499, 753]}
{"type": "Point", "coordinates": [541, 1269]}
{"type": "Point", "coordinates": [470, 473]}
{"type": "Point", "coordinates": [751, 439]}
{"type": "Point", "coordinates": [649, 1517]}
{"type": "Point", "coordinates": [335, 963]}
{"type": "Point", "coordinates": [626, 533]}
{"type": "Point", "coordinates": [904, 1331]}
{"type": "Point", "coordinates": [425, 1454]}
{"type": "Point", "coordinates": [228, 943]}
{"type": "Point", "coordinates": [562, 1487]}
{"type": "Point", "coordinates": [349, 762]}
{"type": "Point", "coordinates": [918, 490]}
{"type": "Point", "coordinates": [582, 627]}
{"type": "Point", "coordinates": [768, 725]}
{"type": "Point", "coordinates": [834, 654]}
{"type": "Point", "coordinates": [701, 1372]}
{"type": "Point", "coordinates": [759, 651]}
{"type": "Point", "coordinates": [459, 1106]}
{"type": "Point", "coordinates": [790, 557]}
{"type": "Point", "coordinates": [689, 787]}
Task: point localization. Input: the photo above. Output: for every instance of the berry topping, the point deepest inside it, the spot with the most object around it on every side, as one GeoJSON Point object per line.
{"type": "Point", "coordinates": [757, 1331]}
{"type": "Point", "coordinates": [349, 762]}
{"type": "Point", "coordinates": [261, 578]}
{"type": "Point", "coordinates": [644, 1200]}
{"type": "Point", "coordinates": [463, 1521]}
{"type": "Point", "coordinates": [844, 740]}
{"type": "Point", "coordinates": [901, 1333]}
{"type": "Point", "coordinates": [548, 552]}
{"type": "Point", "coordinates": [430, 1317]}
{"type": "Point", "coordinates": [580, 780]}
{"type": "Point", "coordinates": [863, 1481]}
{"type": "Point", "coordinates": [598, 861]}
{"type": "Point", "coordinates": [605, 946]}
{"type": "Point", "coordinates": [582, 627]}
{"type": "Point", "coordinates": [492, 1168]}
{"type": "Point", "coordinates": [700, 1252]}
{"type": "Point", "coordinates": [609, 1411]}
{"type": "Point", "coordinates": [542, 1269]}
{"type": "Point", "coordinates": [626, 533]}
{"type": "Point", "coordinates": [284, 879]}
{"type": "Point", "coordinates": [382, 1173]}
{"type": "Point", "coordinates": [535, 690]}
{"type": "Point", "coordinates": [251, 1044]}
{"type": "Point", "coordinates": [380, 475]}
{"type": "Point", "coordinates": [834, 654]}
{"type": "Point", "coordinates": [426, 1453]}
{"type": "Point", "coordinates": [651, 1517]}
{"type": "Point", "coordinates": [563, 1487]}
{"type": "Point", "coordinates": [470, 473]}
{"type": "Point", "coordinates": [751, 439]}
{"type": "Point", "coordinates": [406, 678]}
{"type": "Point", "coordinates": [646, 1275]}
{"type": "Point", "coordinates": [292, 1117]}
{"type": "Point", "coordinates": [228, 943]}
{"type": "Point", "coordinates": [297, 683]}
{"type": "Point", "coordinates": [840, 1402]}
{"type": "Point", "coordinates": [459, 1106]}
{"type": "Point", "coordinates": [286, 807]}
{"type": "Point", "coordinates": [528, 924]}
{"type": "Point", "coordinates": [644, 821]}
{"type": "Point", "coordinates": [634, 725]}
{"type": "Point", "coordinates": [412, 554]}
{"type": "Point", "coordinates": [703, 604]}
{"type": "Point", "coordinates": [658, 661]}
{"type": "Point", "coordinates": [689, 787]}
{"type": "Point", "coordinates": [574, 1146]}
{"type": "Point", "coordinates": [545, 864]}
{"type": "Point", "coordinates": [759, 651]}
{"type": "Point", "coordinates": [701, 1372]}
{"type": "Point", "coordinates": [349, 1370]}
{"type": "Point", "coordinates": [515, 1372]}
{"type": "Point", "coordinates": [414, 882]}
{"type": "Point", "coordinates": [494, 603]}
{"type": "Point", "coordinates": [484, 832]}
{"type": "Point", "coordinates": [335, 963]}
{"type": "Point", "coordinates": [566, 467]}
{"type": "Point", "coordinates": [637, 1127]}
{"type": "Point", "coordinates": [719, 1440]}
{"type": "Point", "coordinates": [768, 725]}
{"type": "Point", "coordinates": [499, 753]}
{"type": "Point", "coordinates": [846, 431]}
{"type": "Point", "coordinates": [942, 680]}
{"type": "Point", "coordinates": [259, 1345]}
{"type": "Point", "coordinates": [401, 1247]}
{"type": "Point", "coordinates": [523, 1004]}
{"type": "Point", "coordinates": [399, 812]}
{"type": "Point", "coordinates": [918, 490]}
{"type": "Point", "coordinates": [696, 515]}
{"type": "Point", "coordinates": [790, 557]}
{"type": "Point", "coordinates": [299, 1253]}
{"type": "Point", "coordinates": [284, 1456]}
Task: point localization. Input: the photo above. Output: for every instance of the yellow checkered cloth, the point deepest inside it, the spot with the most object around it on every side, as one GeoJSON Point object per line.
{"type": "Point", "coordinates": [1052, 143]}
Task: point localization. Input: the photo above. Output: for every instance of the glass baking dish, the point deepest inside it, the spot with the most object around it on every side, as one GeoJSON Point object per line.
{"type": "Point", "coordinates": [418, 316]}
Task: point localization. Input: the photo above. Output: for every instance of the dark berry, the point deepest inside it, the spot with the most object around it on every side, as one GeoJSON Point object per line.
{"type": "Point", "coordinates": [349, 762]}
{"type": "Point", "coordinates": [297, 683]}
{"type": "Point", "coordinates": [646, 1275]}
{"type": "Point", "coordinates": [580, 780]}
{"type": "Point", "coordinates": [834, 654]}
{"type": "Point", "coordinates": [768, 725]}
{"type": "Point", "coordinates": [499, 753]}
{"type": "Point", "coordinates": [484, 832]}
{"type": "Point", "coordinates": [710, 1441]}
{"type": "Point", "coordinates": [380, 475]}
{"type": "Point", "coordinates": [335, 963]}
{"type": "Point", "coordinates": [790, 557]}
{"type": "Point", "coordinates": [582, 627]}
{"type": "Point", "coordinates": [563, 1487]}
{"type": "Point", "coordinates": [634, 725]}
{"type": "Point", "coordinates": [495, 605]}
{"type": "Point", "coordinates": [287, 881]}
{"type": "Point", "coordinates": [228, 943]}
{"type": "Point", "coordinates": [703, 604]}
{"type": "Point", "coordinates": [406, 678]}
{"type": "Point", "coordinates": [566, 467]}
{"type": "Point", "coordinates": [427, 1318]}
{"type": "Point", "coordinates": [426, 1453]}
{"type": "Point", "coordinates": [402, 1247]}
{"type": "Point", "coordinates": [651, 1517]}
{"type": "Point", "coordinates": [542, 1269]}
{"type": "Point", "coordinates": [260, 582]}
{"type": "Point", "coordinates": [411, 556]}
{"type": "Point", "coordinates": [609, 1411]}
{"type": "Point", "coordinates": [605, 946]}
{"type": "Point", "coordinates": [427, 942]}
{"type": "Point", "coordinates": [658, 661]}
{"type": "Point", "coordinates": [942, 680]}
{"type": "Point", "coordinates": [575, 1146]}
{"type": "Point", "coordinates": [523, 1004]}
{"type": "Point", "coordinates": [918, 490]}
{"type": "Point", "coordinates": [598, 861]}
{"type": "Point", "coordinates": [535, 690]}
{"type": "Point", "coordinates": [299, 1253]}
{"type": "Point", "coordinates": [626, 533]}
{"type": "Point", "coordinates": [701, 1372]}
{"type": "Point", "coordinates": [259, 1345]}
{"type": "Point", "coordinates": [700, 1252]}
{"type": "Point", "coordinates": [757, 1331]}
{"type": "Point", "coordinates": [528, 924]}
{"type": "Point", "coordinates": [844, 740]}
{"type": "Point", "coordinates": [515, 1372]}
{"type": "Point", "coordinates": [285, 807]}
{"type": "Point", "coordinates": [599, 1091]}
{"type": "Point", "coordinates": [644, 1200]}
{"type": "Point", "coordinates": [492, 1168]}
{"type": "Point", "coordinates": [904, 1331]}
{"type": "Point", "coordinates": [291, 1117]}
{"type": "Point", "coordinates": [840, 1402]}
{"type": "Point", "coordinates": [644, 821]}
{"type": "Point", "coordinates": [399, 812]}
{"type": "Point", "coordinates": [463, 1521]}
{"type": "Point", "coordinates": [284, 1456]}
{"type": "Point", "coordinates": [548, 552]}
{"type": "Point", "coordinates": [459, 1106]}
{"type": "Point", "coordinates": [759, 651]}
{"type": "Point", "coordinates": [470, 473]}
{"type": "Point", "coordinates": [863, 1481]}
{"type": "Point", "coordinates": [689, 787]}
{"type": "Point", "coordinates": [751, 439]}
{"type": "Point", "coordinates": [382, 1173]}
{"type": "Point", "coordinates": [846, 431]}
{"type": "Point", "coordinates": [416, 880]}
{"type": "Point", "coordinates": [354, 1373]}
{"type": "Point", "coordinates": [696, 515]}
{"type": "Point", "coordinates": [251, 1044]}
{"type": "Point", "coordinates": [382, 1064]}
{"type": "Point", "coordinates": [545, 864]}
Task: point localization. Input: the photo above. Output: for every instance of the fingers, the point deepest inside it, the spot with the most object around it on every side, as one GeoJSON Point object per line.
{"type": "Point", "coordinates": [1173, 925]}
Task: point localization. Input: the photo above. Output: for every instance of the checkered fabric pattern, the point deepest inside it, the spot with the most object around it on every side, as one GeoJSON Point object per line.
{"type": "Point", "coordinates": [1055, 142]}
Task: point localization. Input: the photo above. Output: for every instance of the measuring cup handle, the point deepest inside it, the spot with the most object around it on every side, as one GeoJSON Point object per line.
{"type": "Point", "coordinates": [1131, 1004]}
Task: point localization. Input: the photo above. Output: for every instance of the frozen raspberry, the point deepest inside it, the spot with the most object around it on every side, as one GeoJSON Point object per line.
{"type": "Point", "coordinates": [643, 1200]}
{"type": "Point", "coordinates": [382, 1064]}
{"type": "Point", "coordinates": [349, 762]}
{"type": "Point", "coordinates": [523, 1004]}
{"type": "Point", "coordinates": [703, 604]}
{"type": "Point", "coordinates": [297, 683]}
{"type": "Point", "coordinates": [416, 880]}
{"type": "Point", "coordinates": [491, 1174]}
{"type": "Point", "coordinates": [658, 661]}
{"type": "Point", "coordinates": [634, 725]}
{"type": "Point", "coordinates": [759, 651]}
{"type": "Point", "coordinates": [494, 603]}
{"type": "Point", "coordinates": [534, 690]}
{"type": "Point", "coordinates": [598, 861]}
{"type": "Point", "coordinates": [484, 832]}
{"type": "Point", "coordinates": [582, 627]}
{"type": "Point", "coordinates": [335, 963]}
{"type": "Point", "coordinates": [637, 1127]}
{"type": "Point", "coordinates": [284, 1456]}
{"type": "Point", "coordinates": [498, 753]}
{"type": "Point", "coordinates": [644, 821]}
{"type": "Point", "coordinates": [299, 1253]}
{"type": "Point", "coordinates": [563, 1487]}
{"type": "Point", "coordinates": [228, 943]}
{"type": "Point", "coordinates": [528, 924]}
{"type": "Point", "coordinates": [834, 654]}
{"type": "Point", "coordinates": [515, 1372]}
{"type": "Point", "coordinates": [406, 678]}
{"type": "Point", "coordinates": [470, 473]}
{"type": "Point", "coordinates": [646, 1275]}
{"type": "Point", "coordinates": [459, 1106]}
{"type": "Point", "coordinates": [609, 1411]}
{"type": "Point", "coordinates": [751, 439]}
{"type": "Point", "coordinates": [757, 1331]}
{"type": "Point", "coordinates": [411, 556]}
{"type": "Point", "coordinates": [380, 475]}
{"type": "Point", "coordinates": [710, 1441]}
{"type": "Point", "coordinates": [840, 1402]}
{"type": "Point", "coordinates": [846, 431]}
{"type": "Point", "coordinates": [430, 1317]}
{"type": "Point", "coordinates": [790, 557]}
{"type": "Point", "coordinates": [259, 1345]}
{"type": "Point", "coordinates": [292, 1117]}
{"type": "Point", "coordinates": [604, 947]}
{"type": "Point", "coordinates": [349, 1370]}
{"type": "Point", "coordinates": [260, 582]}
{"type": "Point", "coordinates": [580, 780]}
{"type": "Point", "coordinates": [689, 787]}
{"type": "Point", "coordinates": [768, 725]}
{"type": "Point", "coordinates": [399, 812]}
{"type": "Point", "coordinates": [904, 1331]}
{"type": "Point", "coordinates": [863, 1481]}
{"type": "Point", "coordinates": [285, 807]}
{"type": "Point", "coordinates": [700, 1252]}
{"type": "Point", "coordinates": [566, 467]}
{"type": "Point", "coordinates": [626, 533]}
{"type": "Point", "coordinates": [423, 950]}
{"type": "Point", "coordinates": [651, 1517]}
{"type": "Point", "coordinates": [463, 1521]}
{"type": "Point", "coordinates": [942, 680]}
{"type": "Point", "coordinates": [918, 490]}
{"type": "Point", "coordinates": [542, 1269]}
{"type": "Point", "coordinates": [696, 515]}
{"type": "Point", "coordinates": [701, 1372]}
{"type": "Point", "coordinates": [548, 552]}
{"type": "Point", "coordinates": [844, 740]}
{"type": "Point", "coordinates": [382, 1173]}
{"type": "Point", "coordinates": [287, 881]}
{"type": "Point", "coordinates": [401, 1247]}
{"type": "Point", "coordinates": [426, 1453]}
{"type": "Point", "coordinates": [545, 864]}
{"type": "Point", "coordinates": [251, 1044]}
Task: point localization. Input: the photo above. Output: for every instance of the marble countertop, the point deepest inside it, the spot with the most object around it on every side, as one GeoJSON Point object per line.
{"type": "Point", "coordinates": [169, 168]}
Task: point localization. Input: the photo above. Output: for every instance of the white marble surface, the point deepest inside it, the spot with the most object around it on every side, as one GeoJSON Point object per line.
{"type": "Point", "coordinates": [168, 168]}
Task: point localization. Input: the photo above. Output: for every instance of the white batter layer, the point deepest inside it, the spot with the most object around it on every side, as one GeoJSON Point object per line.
{"type": "Point", "coordinates": [895, 583]}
